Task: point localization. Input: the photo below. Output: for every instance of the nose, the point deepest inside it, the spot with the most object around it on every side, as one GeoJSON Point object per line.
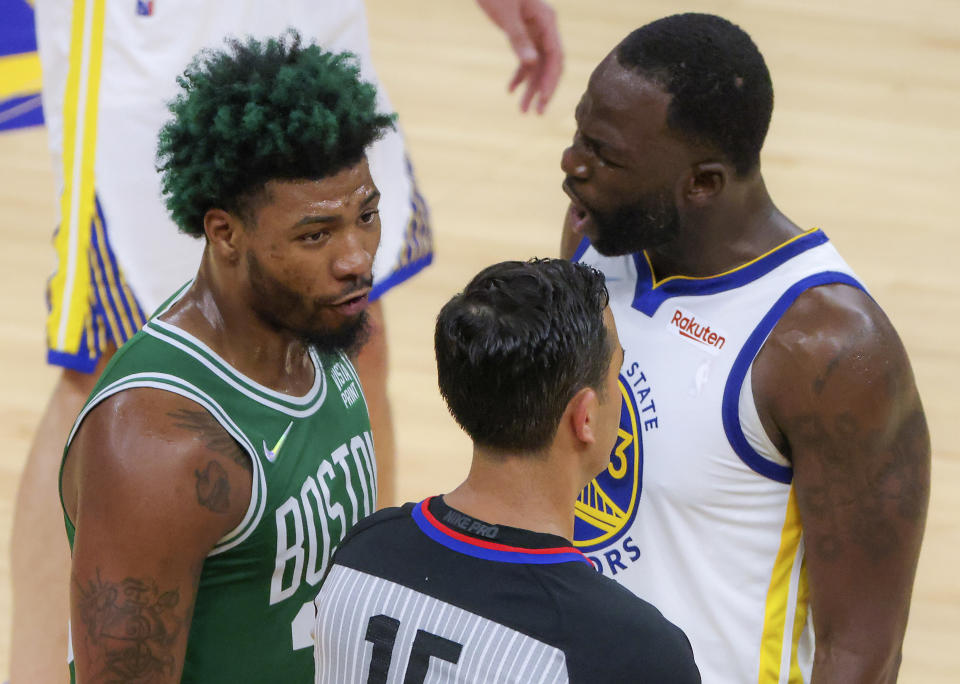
{"type": "Point", "coordinates": [355, 257]}
{"type": "Point", "coordinates": [573, 164]}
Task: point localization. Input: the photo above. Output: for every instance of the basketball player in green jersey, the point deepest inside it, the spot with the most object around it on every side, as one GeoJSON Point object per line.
{"type": "Point", "coordinates": [226, 449]}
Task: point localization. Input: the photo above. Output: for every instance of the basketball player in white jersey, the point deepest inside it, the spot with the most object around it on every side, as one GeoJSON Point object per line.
{"type": "Point", "coordinates": [771, 477]}
{"type": "Point", "coordinates": [109, 69]}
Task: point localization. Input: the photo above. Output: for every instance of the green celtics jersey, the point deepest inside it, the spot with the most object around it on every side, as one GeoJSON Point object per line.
{"type": "Point", "coordinates": [314, 477]}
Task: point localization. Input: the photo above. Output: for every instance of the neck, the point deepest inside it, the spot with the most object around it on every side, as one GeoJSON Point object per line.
{"type": "Point", "coordinates": [738, 227]}
{"type": "Point", "coordinates": [216, 311]}
{"type": "Point", "coordinates": [528, 491]}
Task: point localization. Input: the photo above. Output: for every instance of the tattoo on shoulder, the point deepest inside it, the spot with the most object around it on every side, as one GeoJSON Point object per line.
{"type": "Point", "coordinates": [214, 436]}
{"type": "Point", "coordinates": [821, 380]}
{"type": "Point", "coordinates": [131, 628]}
{"type": "Point", "coordinates": [213, 488]}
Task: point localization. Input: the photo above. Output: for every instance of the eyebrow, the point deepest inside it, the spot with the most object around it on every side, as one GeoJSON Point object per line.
{"type": "Point", "coordinates": [374, 194]}
{"type": "Point", "coordinates": [319, 218]}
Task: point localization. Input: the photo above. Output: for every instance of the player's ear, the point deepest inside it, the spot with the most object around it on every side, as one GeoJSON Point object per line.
{"type": "Point", "coordinates": [582, 411]}
{"type": "Point", "coordinates": [705, 181]}
{"type": "Point", "coordinates": [224, 233]}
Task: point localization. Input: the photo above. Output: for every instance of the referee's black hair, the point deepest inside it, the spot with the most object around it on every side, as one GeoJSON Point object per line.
{"type": "Point", "coordinates": [721, 88]}
{"type": "Point", "coordinates": [517, 344]}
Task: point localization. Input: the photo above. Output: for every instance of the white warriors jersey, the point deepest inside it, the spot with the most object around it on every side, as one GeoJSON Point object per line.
{"type": "Point", "coordinates": [696, 512]}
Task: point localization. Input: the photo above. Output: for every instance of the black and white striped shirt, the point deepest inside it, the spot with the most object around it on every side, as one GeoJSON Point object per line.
{"type": "Point", "coordinates": [427, 594]}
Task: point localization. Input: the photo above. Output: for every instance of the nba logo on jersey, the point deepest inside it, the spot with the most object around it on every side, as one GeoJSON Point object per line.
{"type": "Point", "coordinates": [607, 506]}
{"type": "Point", "coordinates": [145, 8]}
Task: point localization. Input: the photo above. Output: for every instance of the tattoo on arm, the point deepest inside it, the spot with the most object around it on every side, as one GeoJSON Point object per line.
{"type": "Point", "coordinates": [213, 488]}
{"type": "Point", "coordinates": [821, 380]}
{"type": "Point", "coordinates": [214, 436]}
{"type": "Point", "coordinates": [131, 628]}
{"type": "Point", "coordinates": [865, 477]}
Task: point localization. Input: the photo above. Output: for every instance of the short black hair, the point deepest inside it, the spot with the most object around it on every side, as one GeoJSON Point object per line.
{"type": "Point", "coordinates": [260, 111]}
{"type": "Point", "coordinates": [517, 344]}
{"type": "Point", "coordinates": [721, 88]}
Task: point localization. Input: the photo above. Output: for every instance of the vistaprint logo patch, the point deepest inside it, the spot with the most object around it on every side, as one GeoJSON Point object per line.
{"type": "Point", "coordinates": [689, 327]}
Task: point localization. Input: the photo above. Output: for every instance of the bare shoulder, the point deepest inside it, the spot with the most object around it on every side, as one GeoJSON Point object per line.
{"type": "Point", "coordinates": [835, 390]}
{"type": "Point", "coordinates": [151, 482]}
{"type": "Point", "coordinates": [826, 320]}
{"type": "Point", "coordinates": [153, 446]}
{"type": "Point", "coordinates": [834, 347]}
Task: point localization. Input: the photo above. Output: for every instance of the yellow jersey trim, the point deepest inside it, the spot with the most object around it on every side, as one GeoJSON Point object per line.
{"type": "Point", "coordinates": [110, 291]}
{"type": "Point", "coordinates": [779, 608]}
{"type": "Point", "coordinates": [70, 286]}
{"type": "Point", "coordinates": [657, 283]}
{"type": "Point", "coordinates": [799, 621]}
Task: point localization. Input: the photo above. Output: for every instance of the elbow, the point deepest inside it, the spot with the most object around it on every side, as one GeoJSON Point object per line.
{"type": "Point", "coordinates": [861, 664]}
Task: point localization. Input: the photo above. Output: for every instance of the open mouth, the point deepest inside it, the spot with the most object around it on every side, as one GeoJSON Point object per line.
{"type": "Point", "coordinates": [577, 215]}
{"type": "Point", "coordinates": [353, 304]}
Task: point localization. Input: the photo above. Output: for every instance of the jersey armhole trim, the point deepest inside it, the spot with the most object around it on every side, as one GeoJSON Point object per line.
{"type": "Point", "coordinates": [749, 416]}
{"type": "Point", "coordinates": [399, 276]}
{"type": "Point", "coordinates": [730, 409]}
{"type": "Point", "coordinates": [170, 383]}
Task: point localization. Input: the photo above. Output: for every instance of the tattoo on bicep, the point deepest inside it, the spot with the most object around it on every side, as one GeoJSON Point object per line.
{"type": "Point", "coordinates": [905, 478]}
{"type": "Point", "coordinates": [214, 436]}
{"type": "Point", "coordinates": [862, 487]}
{"type": "Point", "coordinates": [213, 488]}
{"type": "Point", "coordinates": [130, 628]}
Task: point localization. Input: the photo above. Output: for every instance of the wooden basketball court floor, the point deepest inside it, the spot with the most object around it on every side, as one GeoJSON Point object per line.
{"type": "Point", "coordinates": [864, 143]}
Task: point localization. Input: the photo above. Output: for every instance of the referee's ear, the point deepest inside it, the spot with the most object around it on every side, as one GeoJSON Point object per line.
{"type": "Point", "coordinates": [581, 413]}
{"type": "Point", "coordinates": [224, 234]}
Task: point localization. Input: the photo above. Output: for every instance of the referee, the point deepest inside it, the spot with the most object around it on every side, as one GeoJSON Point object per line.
{"type": "Point", "coordinates": [483, 584]}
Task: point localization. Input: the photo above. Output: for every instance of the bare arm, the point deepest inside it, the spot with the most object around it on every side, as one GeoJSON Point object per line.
{"type": "Point", "coordinates": [152, 482]}
{"type": "Point", "coordinates": [834, 384]}
{"type": "Point", "coordinates": [568, 239]}
{"type": "Point", "coordinates": [531, 28]}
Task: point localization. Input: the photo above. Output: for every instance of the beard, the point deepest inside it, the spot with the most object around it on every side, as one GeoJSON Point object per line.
{"type": "Point", "coordinates": [286, 309]}
{"type": "Point", "coordinates": [349, 338]}
{"type": "Point", "coordinates": [651, 221]}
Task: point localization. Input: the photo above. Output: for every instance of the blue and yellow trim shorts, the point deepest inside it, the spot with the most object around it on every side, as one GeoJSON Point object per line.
{"type": "Point", "coordinates": [90, 305]}
{"type": "Point", "coordinates": [109, 314]}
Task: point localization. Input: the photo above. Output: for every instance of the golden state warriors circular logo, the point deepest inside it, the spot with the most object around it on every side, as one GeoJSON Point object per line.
{"type": "Point", "coordinates": [607, 506]}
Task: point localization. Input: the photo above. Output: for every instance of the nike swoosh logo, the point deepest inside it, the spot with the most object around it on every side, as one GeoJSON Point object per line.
{"type": "Point", "coordinates": [272, 454]}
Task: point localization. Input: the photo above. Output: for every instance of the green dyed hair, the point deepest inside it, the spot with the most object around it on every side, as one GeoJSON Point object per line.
{"type": "Point", "coordinates": [261, 111]}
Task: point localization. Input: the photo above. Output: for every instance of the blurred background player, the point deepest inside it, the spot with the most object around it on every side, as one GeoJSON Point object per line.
{"type": "Point", "coordinates": [226, 450]}
{"type": "Point", "coordinates": [483, 584]}
{"type": "Point", "coordinates": [772, 475]}
{"type": "Point", "coordinates": [109, 69]}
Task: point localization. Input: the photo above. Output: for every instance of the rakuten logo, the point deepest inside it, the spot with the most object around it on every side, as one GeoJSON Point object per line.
{"type": "Point", "coordinates": [686, 325]}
